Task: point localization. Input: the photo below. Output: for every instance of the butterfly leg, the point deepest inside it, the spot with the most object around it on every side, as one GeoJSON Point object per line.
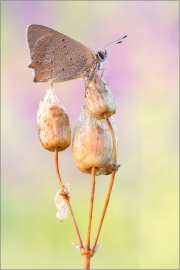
{"type": "Point", "coordinates": [104, 71]}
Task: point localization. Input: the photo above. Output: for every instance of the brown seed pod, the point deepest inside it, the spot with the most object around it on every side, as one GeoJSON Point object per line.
{"type": "Point", "coordinates": [99, 98]}
{"type": "Point", "coordinates": [92, 144]}
{"type": "Point", "coordinates": [53, 123]}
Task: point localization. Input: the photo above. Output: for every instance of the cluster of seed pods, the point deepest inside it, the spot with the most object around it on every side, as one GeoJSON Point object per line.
{"type": "Point", "coordinates": [94, 141]}
{"type": "Point", "coordinates": [92, 144]}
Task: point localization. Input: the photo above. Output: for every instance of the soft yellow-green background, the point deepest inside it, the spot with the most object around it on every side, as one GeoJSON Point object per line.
{"type": "Point", "coordinates": [141, 226]}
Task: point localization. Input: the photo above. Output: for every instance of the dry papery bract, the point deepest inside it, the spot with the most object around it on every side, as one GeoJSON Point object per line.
{"type": "Point", "coordinates": [53, 123]}
{"type": "Point", "coordinates": [99, 98]}
{"type": "Point", "coordinates": [92, 144]}
{"type": "Point", "coordinates": [61, 205]}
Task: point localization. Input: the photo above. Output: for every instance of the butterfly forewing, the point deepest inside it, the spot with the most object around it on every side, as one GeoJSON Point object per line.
{"type": "Point", "coordinates": [56, 57]}
{"type": "Point", "coordinates": [35, 33]}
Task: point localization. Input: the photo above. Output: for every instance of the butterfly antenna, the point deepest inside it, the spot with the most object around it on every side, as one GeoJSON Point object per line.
{"type": "Point", "coordinates": [114, 42]}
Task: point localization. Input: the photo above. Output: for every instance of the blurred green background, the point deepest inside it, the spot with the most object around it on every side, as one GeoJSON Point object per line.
{"type": "Point", "coordinates": [141, 226]}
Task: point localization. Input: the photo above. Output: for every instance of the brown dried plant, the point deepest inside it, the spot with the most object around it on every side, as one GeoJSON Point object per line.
{"type": "Point", "coordinates": [94, 148]}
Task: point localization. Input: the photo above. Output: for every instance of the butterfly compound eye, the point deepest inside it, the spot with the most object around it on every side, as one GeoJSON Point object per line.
{"type": "Point", "coordinates": [102, 55]}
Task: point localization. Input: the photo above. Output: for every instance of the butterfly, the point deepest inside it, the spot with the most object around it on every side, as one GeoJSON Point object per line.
{"type": "Point", "coordinates": [56, 57]}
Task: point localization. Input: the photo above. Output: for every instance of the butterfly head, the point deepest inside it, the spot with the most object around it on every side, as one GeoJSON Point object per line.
{"type": "Point", "coordinates": [102, 56]}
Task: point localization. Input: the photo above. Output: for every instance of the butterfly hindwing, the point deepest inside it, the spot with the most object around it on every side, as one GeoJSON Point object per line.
{"type": "Point", "coordinates": [56, 57]}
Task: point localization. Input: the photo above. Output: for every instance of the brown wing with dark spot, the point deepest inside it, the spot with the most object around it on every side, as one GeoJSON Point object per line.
{"type": "Point", "coordinates": [56, 57]}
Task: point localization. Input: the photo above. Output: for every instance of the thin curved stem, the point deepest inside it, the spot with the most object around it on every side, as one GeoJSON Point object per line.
{"type": "Point", "coordinates": [113, 137]}
{"type": "Point", "coordinates": [57, 168]}
{"type": "Point", "coordinates": [104, 211]}
{"type": "Point", "coordinates": [90, 209]}
{"type": "Point", "coordinates": [74, 223]}
{"type": "Point", "coordinates": [110, 184]}
{"type": "Point", "coordinates": [67, 200]}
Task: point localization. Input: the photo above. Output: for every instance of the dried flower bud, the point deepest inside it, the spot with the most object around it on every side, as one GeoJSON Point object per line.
{"type": "Point", "coordinates": [99, 98]}
{"type": "Point", "coordinates": [92, 144]}
{"type": "Point", "coordinates": [53, 123]}
{"type": "Point", "coordinates": [61, 206]}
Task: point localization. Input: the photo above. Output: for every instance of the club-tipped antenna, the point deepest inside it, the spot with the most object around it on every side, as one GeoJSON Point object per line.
{"type": "Point", "coordinates": [114, 42]}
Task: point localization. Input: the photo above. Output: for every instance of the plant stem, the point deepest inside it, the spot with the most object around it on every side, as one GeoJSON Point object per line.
{"type": "Point", "coordinates": [104, 211]}
{"type": "Point", "coordinates": [90, 209]}
{"type": "Point", "coordinates": [57, 168]}
{"type": "Point", "coordinates": [67, 200]}
{"type": "Point", "coordinates": [74, 223]}
{"type": "Point", "coordinates": [87, 259]}
{"type": "Point", "coordinates": [110, 184]}
{"type": "Point", "coordinates": [113, 137]}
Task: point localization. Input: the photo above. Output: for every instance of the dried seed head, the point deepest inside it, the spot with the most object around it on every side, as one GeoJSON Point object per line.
{"type": "Point", "coordinates": [53, 123]}
{"type": "Point", "coordinates": [99, 98]}
{"type": "Point", "coordinates": [92, 144]}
